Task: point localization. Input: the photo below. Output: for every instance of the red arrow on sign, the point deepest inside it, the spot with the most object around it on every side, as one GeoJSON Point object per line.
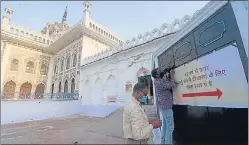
{"type": "Point", "coordinates": [200, 94]}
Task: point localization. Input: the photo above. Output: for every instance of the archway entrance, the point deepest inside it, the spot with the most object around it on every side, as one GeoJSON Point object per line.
{"type": "Point", "coordinates": [66, 87]}
{"type": "Point", "coordinates": [111, 89]}
{"type": "Point", "coordinates": [144, 76]}
{"type": "Point", "coordinates": [72, 85]}
{"type": "Point", "coordinates": [25, 91]}
{"type": "Point", "coordinates": [9, 90]}
{"type": "Point", "coordinates": [98, 92]}
{"type": "Point", "coordinates": [39, 91]}
{"type": "Point", "coordinates": [87, 95]}
{"type": "Point", "coordinates": [52, 91]}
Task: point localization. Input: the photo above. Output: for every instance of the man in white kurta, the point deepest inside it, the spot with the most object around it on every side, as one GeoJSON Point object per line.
{"type": "Point", "coordinates": [136, 126]}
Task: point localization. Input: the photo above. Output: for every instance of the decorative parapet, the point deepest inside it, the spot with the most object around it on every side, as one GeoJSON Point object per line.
{"type": "Point", "coordinates": [104, 31]}
{"type": "Point", "coordinates": [141, 39]}
{"type": "Point", "coordinates": [29, 34]}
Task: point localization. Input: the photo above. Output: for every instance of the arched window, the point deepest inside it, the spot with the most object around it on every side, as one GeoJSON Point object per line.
{"type": "Point", "coordinates": [68, 63]}
{"type": "Point", "coordinates": [55, 69]}
{"type": "Point", "coordinates": [90, 25]}
{"type": "Point", "coordinates": [27, 34]}
{"type": "Point", "coordinates": [21, 33]}
{"type": "Point", "coordinates": [62, 64]}
{"type": "Point", "coordinates": [14, 65]}
{"type": "Point", "coordinates": [73, 85]}
{"type": "Point", "coordinates": [17, 31]}
{"type": "Point", "coordinates": [40, 39]}
{"type": "Point", "coordinates": [43, 70]}
{"type": "Point", "coordinates": [43, 40]}
{"type": "Point", "coordinates": [74, 59]}
{"type": "Point", "coordinates": [30, 67]}
{"type": "Point", "coordinates": [93, 26]}
{"type": "Point", "coordinates": [11, 29]}
{"type": "Point", "coordinates": [47, 41]}
{"type": "Point", "coordinates": [66, 87]}
{"type": "Point", "coordinates": [31, 36]}
{"type": "Point", "coordinates": [35, 38]}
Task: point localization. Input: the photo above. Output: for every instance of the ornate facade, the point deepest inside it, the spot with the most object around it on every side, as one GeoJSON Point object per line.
{"type": "Point", "coordinates": [48, 61]}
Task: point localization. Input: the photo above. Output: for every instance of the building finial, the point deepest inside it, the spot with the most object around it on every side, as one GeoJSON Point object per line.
{"type": "Point", "coordinates": [6, 18]}
{"type": "Point", "coordinates": [64, 18]}
{"type": "Point", "coordinates": [8, 11]}
{"type": "Point", "coordinates": [87, 6]}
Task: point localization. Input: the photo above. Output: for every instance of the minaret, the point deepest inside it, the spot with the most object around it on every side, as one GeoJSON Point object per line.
{"type": "Point", "coordinates": [64, 18]}
{"type": "Point", "coordinates": [87, 6]}
{"type": "Point", "coordinates": [7, 17]}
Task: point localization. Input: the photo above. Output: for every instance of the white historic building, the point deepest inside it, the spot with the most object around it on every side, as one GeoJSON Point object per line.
{"type": "Point", "coordinates": [49, 61]}
{"type": "Point", "coordinates": [86, 58]}
{"type": "Point", "coordinates": [109, 76]}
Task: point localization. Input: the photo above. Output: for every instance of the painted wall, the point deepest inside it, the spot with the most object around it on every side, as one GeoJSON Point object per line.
{"type": "Point", "coordinates": [241, 14]}
{"type": "Point", "coordinates": [21, 111]}
{"type": "Point", "coordinates": [108, 77]}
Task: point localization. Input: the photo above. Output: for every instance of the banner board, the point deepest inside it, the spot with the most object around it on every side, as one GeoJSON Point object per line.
{"type": "Point", "coordinates": [215, 80]}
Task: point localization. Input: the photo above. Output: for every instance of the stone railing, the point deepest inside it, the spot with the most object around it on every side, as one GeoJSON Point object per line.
{"type": "Point", "coordinates": [148, 36]}
{"type": "Point", "coordinates": [39, 96]}
{"type": "Point", "coordinates": [29, 34]}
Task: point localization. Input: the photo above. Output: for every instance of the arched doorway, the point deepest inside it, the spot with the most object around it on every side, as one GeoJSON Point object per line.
{"type": "Point", "coordinates": [66, 87]}
{"type": "Point", "coordinates": [143, 72]}
{"type": "Point", "coordinates": [144, 76]}
{"type": "Point", "coordinates": [39, 91]}
{"type": "Point", "coordinates": [73, 85]}
{"type": "Point", "coordinates": [98, 92]}
{"type": "Point", "coordinates": [25, 91]}
{"type": "Point", "coordinates": [87, 94]}
{"type": "Point", "coordinates": [9, 90]}
{"type": "Point", "coordinates": [59, 91]}
{"type": "Point", "coordinates": [65, 94]}
{"type": "Point", "coordinates": [111, 89]}
{"type": "Point", "coordinates": [52, 89]}
{"type": "Point", "coordinates": [59, 88]}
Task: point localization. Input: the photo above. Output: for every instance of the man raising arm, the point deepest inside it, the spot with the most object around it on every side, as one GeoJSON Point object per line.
{"type": "Point", "coordinates": [164, 93]}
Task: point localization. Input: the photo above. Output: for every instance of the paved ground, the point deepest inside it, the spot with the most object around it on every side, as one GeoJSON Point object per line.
{"type": "Point", "coordinates": [67, 130]}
